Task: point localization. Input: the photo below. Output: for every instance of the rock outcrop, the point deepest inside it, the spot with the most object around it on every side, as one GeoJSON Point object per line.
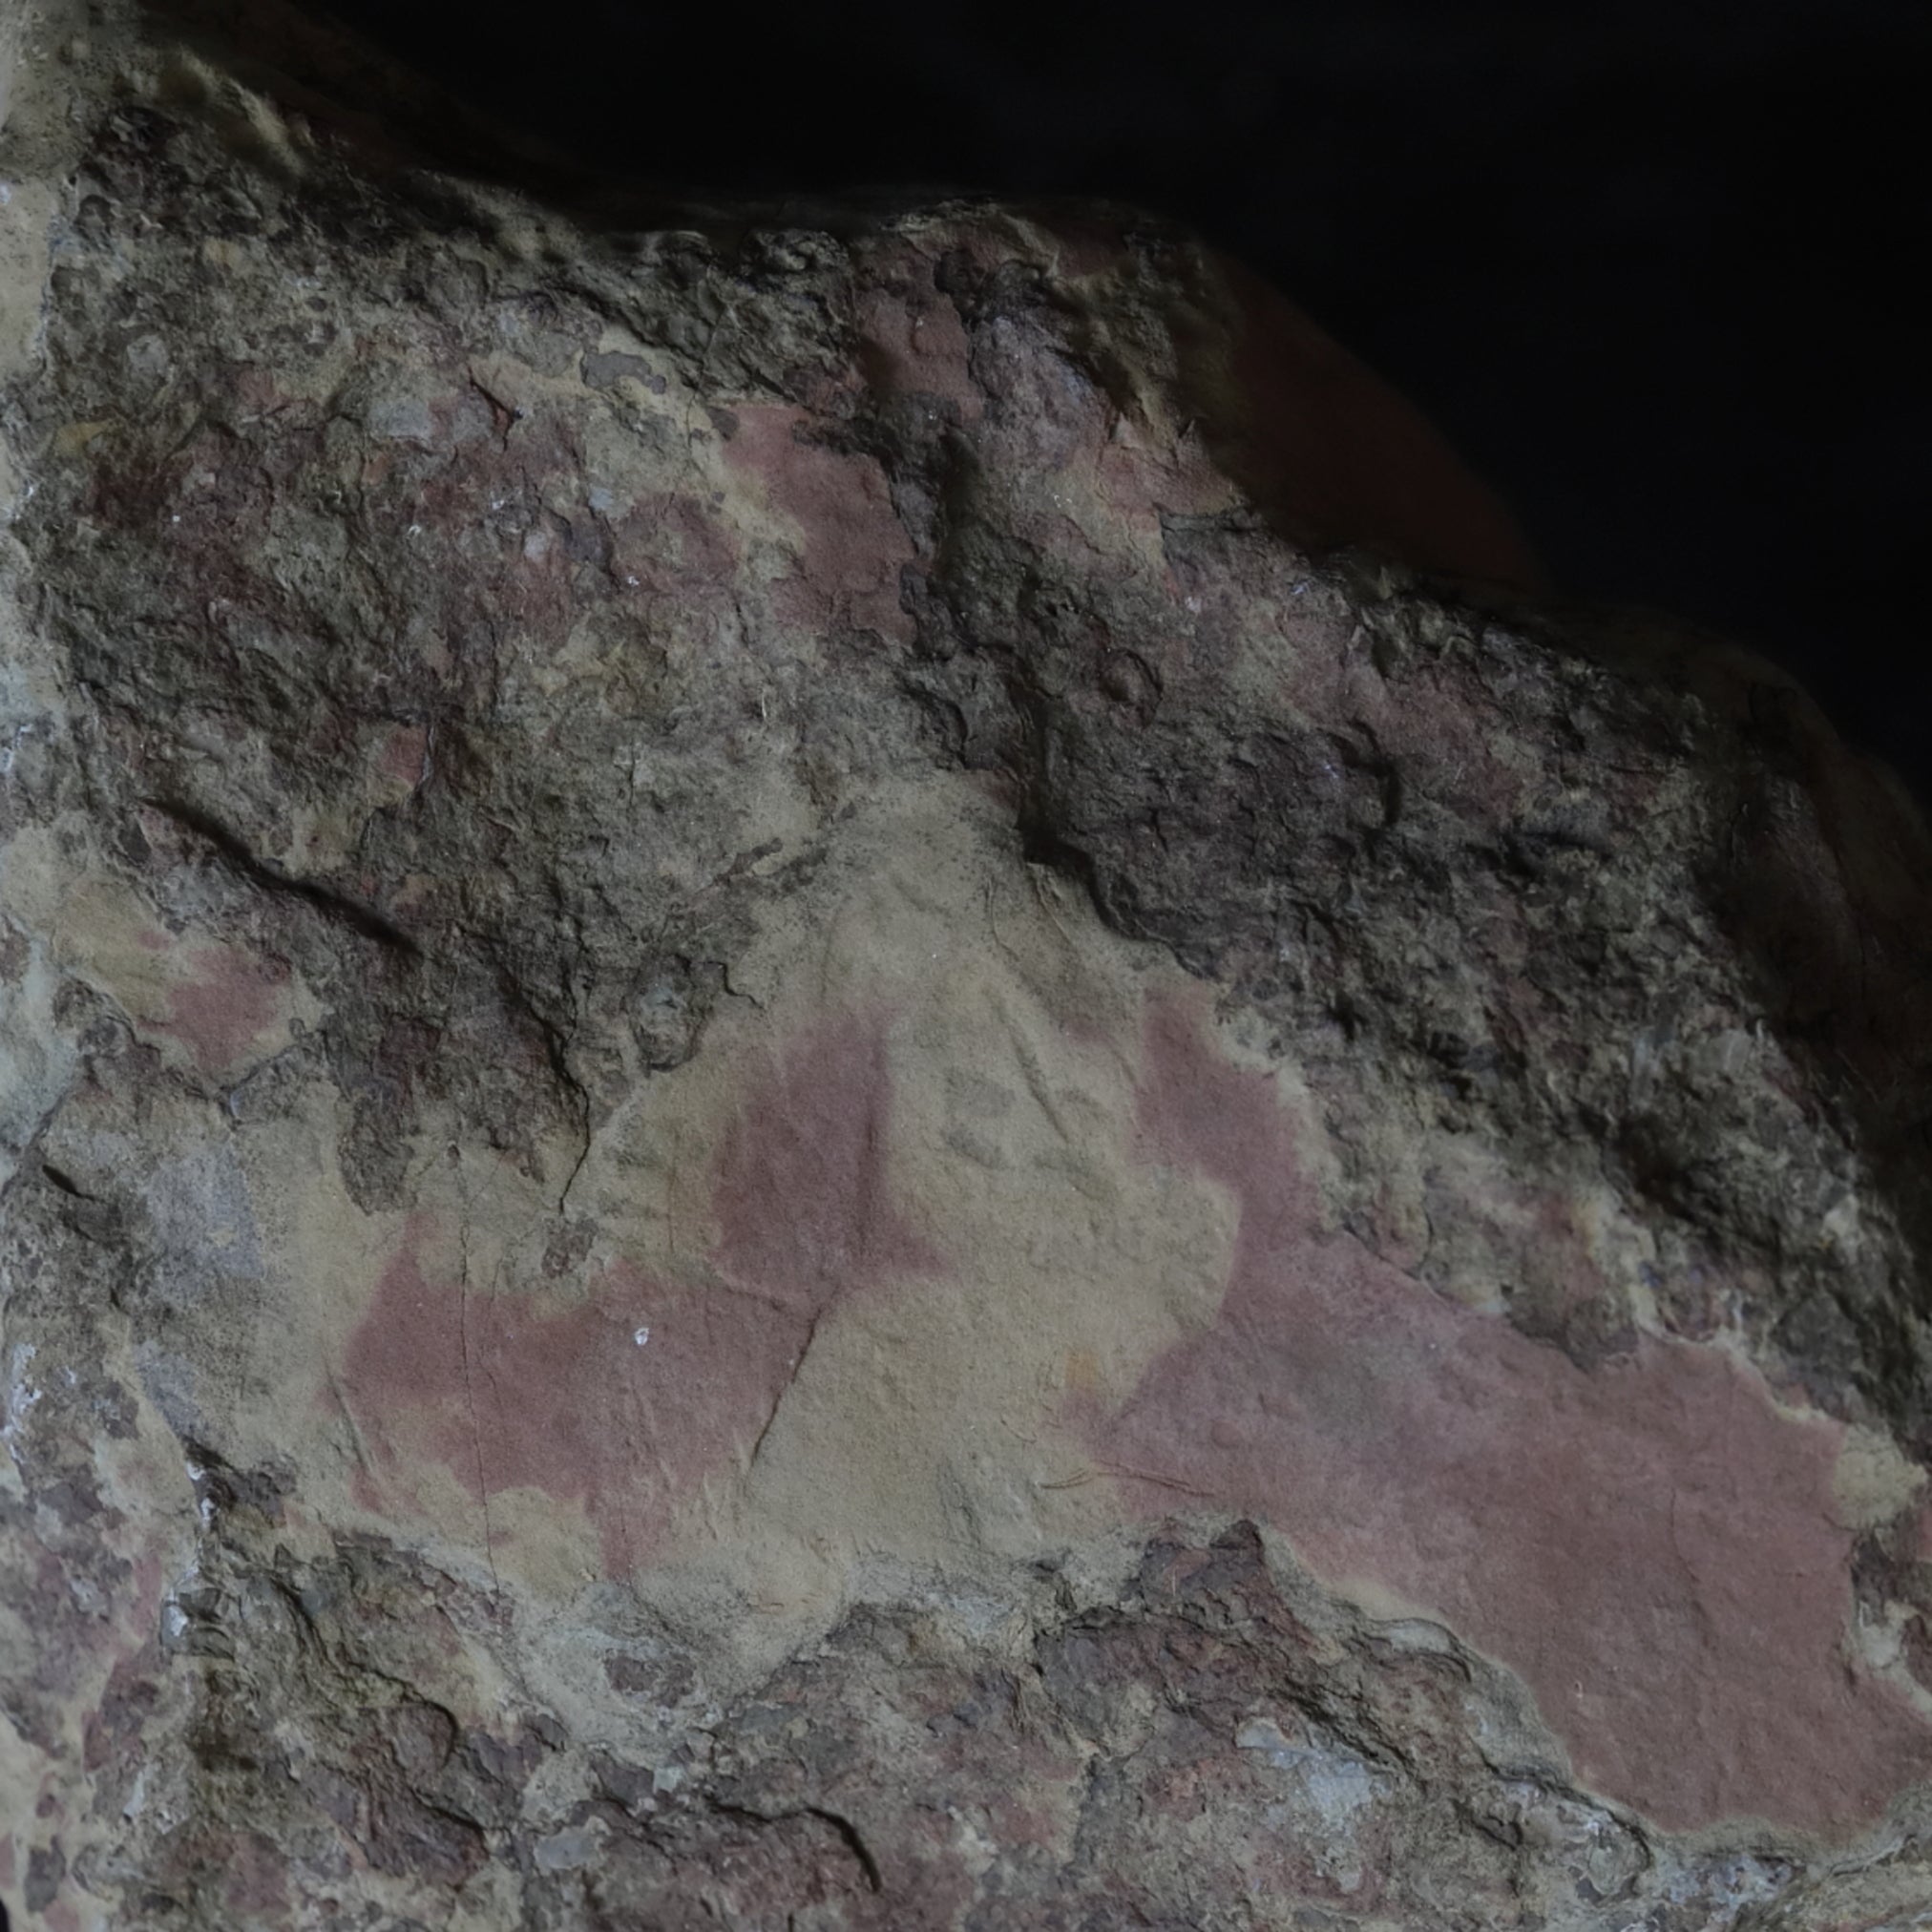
{"type": "Point", "coordinates": [848, 1078]}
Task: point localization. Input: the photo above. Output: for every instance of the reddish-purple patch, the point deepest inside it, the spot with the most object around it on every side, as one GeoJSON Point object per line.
{"type": "Point", "coordinates": [255, 390]}
{"type": "Point", "coordinates": [1648, 1544]}
{"type": "Point", "coordinates": [524, 550]}
{"type": "Point", "coordinates": [914, 340]}
{"type": "Point", "coordinates": [672, 545]}
{"type": "Point", "coordinates": [219, 1013]}
{"type": "Point", "coordinates": [404, 753]}
{"type": "Point", "coordinates": [801, 1193]}
{"type": "Point", "coordinates": [560, 1395]}
{"type": "Point", "coordinates": [256, 1886]}
{"type": "Point", "coordinates": [853, 545]}
{"type": "Point", "coordinates": [1140, 485]}
{"type": "Point", "coordinates": [515, 1391]}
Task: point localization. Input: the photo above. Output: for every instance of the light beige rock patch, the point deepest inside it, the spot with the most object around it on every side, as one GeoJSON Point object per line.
{"type": "Point", "coordinates": [1874, 1481]}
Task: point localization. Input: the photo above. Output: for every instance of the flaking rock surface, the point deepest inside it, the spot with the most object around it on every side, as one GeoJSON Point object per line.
{"type": "Point", "coordinates": [846, 1081]}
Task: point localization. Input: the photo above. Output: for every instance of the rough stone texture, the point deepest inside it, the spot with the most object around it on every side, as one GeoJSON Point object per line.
{"type": "Point", "coordinates": [843, 1086]}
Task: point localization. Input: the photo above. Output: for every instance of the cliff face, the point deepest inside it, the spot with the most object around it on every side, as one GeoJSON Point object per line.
{"type": "Point", "coordinates": [845, 1084]}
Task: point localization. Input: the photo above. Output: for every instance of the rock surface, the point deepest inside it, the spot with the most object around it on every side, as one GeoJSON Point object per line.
{"type": "Point", "coordinates": [844, 1082]}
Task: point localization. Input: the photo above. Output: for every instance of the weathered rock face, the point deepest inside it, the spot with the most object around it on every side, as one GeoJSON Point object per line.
{"type": "Point", "coordinates": [812, 1120]}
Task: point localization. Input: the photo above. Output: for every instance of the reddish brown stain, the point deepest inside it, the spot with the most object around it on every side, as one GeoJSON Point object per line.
{"type": "Point", "coordinates": [915, 341]}
{"type": "Point", "coordinates": [557, 1393]}
{"type": "Point", "coordinates": [801, 1193]}
{"type": "Point", "coordinates": [405, 749]}
{"type": "Point", "coordinates": [1648, 1544]}
{"type": "Point", "coordinates": [523, 548]}
{"type": "Point", "coordinates": [675, 545]}
{"type": "Point", "coordinates": [364, 1492]}
{"type": "Point", "coordinates": [255, 389]}
{"type": "Point", "coordinates": [257, 1885]}
{"type": "Point", "coordinates": [508, 1391]}
{"type": "Point", "coordinates": [1141, 485]}
{"type": "Point", "coordinates": [853, 544]}
{"type": "Point", "coordinates": [219, 1013]}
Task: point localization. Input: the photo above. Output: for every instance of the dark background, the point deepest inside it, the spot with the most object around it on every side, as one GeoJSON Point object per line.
{"type": "Point", "coordinates": [1647, 264]}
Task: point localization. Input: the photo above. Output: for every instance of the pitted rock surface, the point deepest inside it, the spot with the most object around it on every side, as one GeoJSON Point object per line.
{"type": "Point", "coordinates": [849, 1078]}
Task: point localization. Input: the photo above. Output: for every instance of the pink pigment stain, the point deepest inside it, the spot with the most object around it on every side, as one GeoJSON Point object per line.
{"type": "Point", "coordinates": [1649, 1544]}
{"type": "Point", "coordinates": [1141, 486]}
{"type": "Point", "coordinates": [853, 545]}
{"type": "Point", "coordinates": [801, 1190]}
{"type": "Point", "coordinates": [404, 750]}
{"type": "Point", "coordinates": [505, 1392]}
{"type": "Point", "coordinates": [516, 1391]}
{"type": "Point", "coordinates": [919, 345]}
{"type": "Point", "coordinates": [220, 1013]}
{"type": "Point", "coordinates": [257, 1886]}
{"type": "Point", "coordinates": [674, 546]}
